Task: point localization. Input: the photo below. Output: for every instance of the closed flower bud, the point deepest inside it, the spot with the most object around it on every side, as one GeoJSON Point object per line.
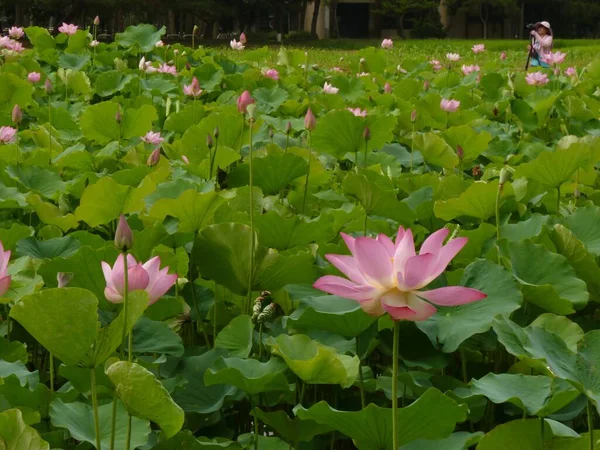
{"type": "Point", "coordinates": [460, 152]}
{"type": "Point", "coordinates": [504, 176]}
{"type": "Point", "coordinates": [209, 141]}
{"type": "Point", "coordinates": [367, 134]}
{"type": "Point", "coordinates": [495, 111]}
{"type": "Point", "coordinates": [426, 85]}
{"type": "Point", "coordinates": [154, 157]}
{"type": "Point", "coordinates": [413, 116]}
{"type": "Point", "coordinates": [288, 128]}
{"type": "Point", "coordinates": [97, 20]}
{"type": "Point", "coordinates": [243, 101]}
{"type": "Point", "coordinates": [48, 86]}
{"type": "Point", "coordinates": [216, 132]}
{"type": "Point", "coordinates": [476, 171]}
{"type": "Point", "coordinates": [64, 278]}
{"type": "Point", "coordinates": [123, 235]}
{"type": "Point", "coordinates": [17, 115]}
{"type": "Point", "coordinates": [118, 116]}
{"type": "Point", "coordinates": [195, 30]}
{"type": "Point", "coordinates": [309, 120]}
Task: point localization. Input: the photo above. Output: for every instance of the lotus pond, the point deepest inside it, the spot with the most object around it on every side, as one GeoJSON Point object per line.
{"type": "Point", "coordinates": [274, 249]}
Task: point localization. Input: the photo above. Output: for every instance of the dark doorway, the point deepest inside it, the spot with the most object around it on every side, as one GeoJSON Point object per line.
{"type": "Point", "coordinates": [353, 19]}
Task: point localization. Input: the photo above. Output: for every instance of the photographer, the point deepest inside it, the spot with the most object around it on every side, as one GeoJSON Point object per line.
{"type": "Point", "coordinates": [541, 46]}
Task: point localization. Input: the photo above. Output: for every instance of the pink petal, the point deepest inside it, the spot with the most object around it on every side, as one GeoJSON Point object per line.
{"type": "Point", "coordinates": [152, 267]}
{"type": "Point", "coordinates": [345, 288]}
{"type": "Point", "coordinates": [4, 285]}
{"type": "Point", "coordinates": [452, 295]}
{"type": "Point", "coordinates": [4, 258]}
{"type": "Point", "coordinates": [160, 287]}
{"type": "Point", "coordinates": [138, 278]}
{"type": "Point", "coordinates": [405, 249]}
{"type": "Point", "coordinates": [372, 307]}
{"type": "Point", "coordinates": [406, 306]}
{"type": "Point", "coordinates": [374, 262]}
{"type": "Point", "coordinates": [388, 244]}
{"type": "Point", "coordinates": [349, 240]}
{"type": "Point", "coordinates": [399, 235]}
{"type": "Point", "coordinates": [446, 254]}
{"type": "Point", "coordinates": [112, 295]}
{"type": "Point", "coordinates": [418, 271]}
{"type": "Point", "coordinates": [347, 265]}
{"type": "Point", "coordinates": [106, 269]}
{"type": "Point", "coordinates": [434, 242]}
{"type": "Point", "coordinates": [118, 274]}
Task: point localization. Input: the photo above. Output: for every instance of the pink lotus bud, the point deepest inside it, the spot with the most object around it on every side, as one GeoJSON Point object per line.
{"type": "Point", "coordinates": [154, 157]}
{"type": "Point", "coordinates": [367, 134]}
{"type": "Point", "coordinates": [216, 132]}
{"type": "Point", "coordinates": [460, 152]}
{"type": "Point", "coordinates": [64, 278]}
{"type": "Point", "coordinates": [288, 128]}
{"type": "Point", "coordinates": [413, 116]}
{"type": "Point", "coordinates": [426, 85]}
{"type": "Point", "coordinates": [17, 115]}
{"type": "Point", "coordinates": [387, 88]}
{"type": "Point", "coordinates": [243, 101]}
{"type": "Point", "coordinates": [503, 56]}
{"type": "Point", "coordinates": [5, 279]}
{"type": "Point", "coordinates": [209, 141]}
{"type": "Point", "coordinates": [34, 77]}
{"type": "Point", "coordinates": [123, 235]}
{"type": "Point", "coordinates": [243, 38]}
{"type": "Point", "coordinates": [309, 120]}
{"type": "Point", "coordinates": [48, 86]}
{"type": "Point", "coordinates": [97, 20]}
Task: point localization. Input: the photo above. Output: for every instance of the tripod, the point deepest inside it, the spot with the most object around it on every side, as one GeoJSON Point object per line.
{"type": "Point", "coordinates": [532, 53]}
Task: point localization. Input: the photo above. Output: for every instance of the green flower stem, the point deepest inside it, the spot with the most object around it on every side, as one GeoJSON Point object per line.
{"type": "Point", "coordinates": [260, 339]}
{"type": "Point", "coordinates": [199, 321]}
{"type": "Point", "coordinates": [213, 157]}
{"type": "Point", "coordinates": [287, 143]}
{"type": "Point", "coordinates": [590, 419]}
{"type": "Point", "coordinates": [463, 364]}
{"type": "Point", "coordinates": [113, 422]}
{"type": "Point", "coordinates": [255, 428]}
{"type": "Point", "coordinates": [95, 406]}
{"type": "Point", "coordinates": [395, 352]}
{"type": "Point", "coordinates": [366, 149]}
{"type": "Point", "coordinates": [412, 148]}
{"type": "Point", "coordinates": [252, 235]}
{"type": "Point", "coordinates": [308, 172]}
{"type": "Point", "coordinates": [361, 381]}
{"type": "Point", "coordinates": [51, 373]}
{"type": "Point", "coordinates": [542, 432]}
{"type": "Point", "coordinates": [558, 200]}
{"type": "Point", "coordinates": [497, 209]}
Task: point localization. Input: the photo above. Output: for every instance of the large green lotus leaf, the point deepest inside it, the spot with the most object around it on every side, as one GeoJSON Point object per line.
{"type": "Point", "coordinates": [542, 102]}
{"type": "Point", "coordinates": [10, 197]}
{"type": "Point", "coordinates": [372, 192]}
{"type": "Point", "coordinates": [144, 396]}
{"type": "Point", "coordinates": [194, 210]}
{"type": "Point", "coordinates": [584, 223]}
{"type": "Point", "coordinates": [547, 279]}
{"type": "Point", "coordinates": [69, 326]}
{"type": "Point", "coordinates": [330, 313]}
{"type": "Point", "coordinates": [209, 76]}
{"type": "Point", "coordinates": [473, 142]}
{"type": "Point", "coordinates": [51, 214]}
{"type": "Point", "coordinates": [193, 141]}
{"type": "Point", "coordinates": [78, 81]}
{"type": "Point", "coordinates": [525, 114]}
{"type": "Point", "coordinates": [516, 435]}
{"type": "Point", "coordinates": [269, 100]}
{"type": "Point", "coordinates": [294, 266]}
{"type": "Point", "coordinates": [98, 122]}
{"type": "Point", "coordinates": [340, 132]}
{"type": "Point", "coordinates": [52, 248]}
{"type": "Point", "coordinates": [272, 173]}
{"type": "Point", "coordinates": [554, 168]}
{"type": "Point", "coordinates": [186, 440]}
{"type": "Point", "coordinates": [431, 416]}
{"type": "Point", "coordinates": [77, 417]}
{"type": "Point", "coordinates": [292, 430]}
{"type": "Point", "coordinates": [10, 236]}
{"type": "Point", "coordinates": [13, 91]}
{"type": "Point", "coordinates": [561, 326]}
{"type": "Point", "coordinates": [109, 82]}
{"type": "Point", "coordinates": [451, 326]}
{"type": "Point", "coordinates": [78, 42]}
{"type": "Point", "coordinates": [315, 363]}
{"type": "Point", "coordinates": [188, 116]}
{"type": "Point", "coordinates": [137, 122]}
{"type": "Point", "coordinates": [15, 434]}
{"type": "Point", "coordinates": [195, 396]}
{"type": "Point", "coordinates": [435, 150]}
{"type": "Point", "coordinates": [102, 202]}
{"type": "Point", "coordinates": [456, 441]}
{"type": "Point", "coordinates": [524, 229]}
{"type": "Point", "coordinates": [249, 375]}
{"type": "Point", "coordinates": [479, 201]}
{"type": "Point", "coordinates": [46, 182]}
{"type": "Point", "coordinates": [491, 85]}
{"type": "Point", "coordinates": [236, 337]}
{"type": "Point", "coordinates": [143, 36]}
{"type": "Point", "coordinates": [283, 233]}
{"type": "Point", "coordinates": [40, 38]}
{"type": "Point", "coordinates": [151, 336]}
{"type": "Point", "coordinates": [72, 61]}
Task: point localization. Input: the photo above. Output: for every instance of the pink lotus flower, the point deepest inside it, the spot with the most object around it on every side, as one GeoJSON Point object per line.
{"type": "Point", "coordinates": [387, 88]}
{"type": "Point", "coordinates": [97, 20]}
{"type": "Point", "coordinates": [193, 89]}
{"type": "Point", "coordinates": [7, 134]}
{"type": "Point", "coordinates": [537, 79]}
{"type": "Point", "coordinates": [154, 157]}
{"type": "Point", "coordinates": [309, 120]}
{"type": "Point", "coordinates": [34, 77]}
{"type": "Point", "coordinates": [467, 70]}
{"type": "Point", "coordinates": [16, 32]}
{"type": "Point", "coordinates": [147, 277]}
{"type": "Point", "coordinates": [329, 89]}
{"type": "Point", "coordinates": [159, 44]}
{"type": "Point", "coordinates": [235, 45]}
{"type": "Point", "coordinates": [4, 41]}
{"type": "Point", "coordinates": [479, 48]}
{"type": "Point", "coordinates": [68, 28]}
{"type": "Point", "coordinates": [243, 38]}
{"type": "Point", "coordinates": [94, 43]}
{"type": "Point", "coordinates": [153, 138]}
{"type": "Point", "coordinates": [570, 72]}
{"type": "Point", "coordinates": [453, 57]}
{"type": "Point", "coordinates": [449, 105]}
{"type": "Point", "coordinates": [4, 278]}
{"type": "Point", "coordinates": [387, 277]}
{"type": "Point", "coordinates": [273, 74]}
{"type": "Point", "coordinates": [387, 44]}
{"type": "Point", "coordinates": [435, 64]}
{"type": "Point", "coordinates": [166, 68]}
{"type": "Point", "coordinates": [15, 46]}
{"type": "Point", "coordinates": [503, 56]}
{"type": "Point", "coordinates": [243, 101]}
{"type": "Point", "coordinates": [554, 58]}
{"type": "Point", "coordinates": [358, 112]}
{"type": "Point", "coordinates": [146, 66]}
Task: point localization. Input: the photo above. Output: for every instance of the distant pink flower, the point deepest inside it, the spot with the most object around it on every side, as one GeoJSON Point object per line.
{"type": "Point", "coordinates": [4, 277]}
{"type": "Point", "coordinates": [503, 56]}
{"type": "Point", "coordinates": [153, 138]}
{"type": "Point", "coordinates": [387, 277]}
{"type": "Point", "coordinates": [148, 276]}
{"type": "Point", "coordinates": [309, 120]}
{"type": "Point", "coordinates": [146, 66]}
{"type": "Point", "coordinates": [329, 89]}
{"type": "Point", "coordinates": [435, 64]}
{"type": "Point", "coordinates": [193, 89]}
{"type": "Point", "coordinates": [358, 112]}
{"type": "Point", "coordinates": [7, 134]}
{"type": "Point", "coordinates": [554, 58]}
{"type": "Point", "coordinates": [4, 41]}
{"type": "Point", "coordinates": [94, 43]}
{"type": "Point", "coordinates": [387, 88]}
{"type": "Point", "coordinates": [362, 74]}
{"type": "Point", "coordinates": [453, 57]}
{"type": "Point", "coordinates": [159, 44]}
{"type": "Point", "coordinates": [16, 32]}
{"type": "Point", "coordinates": [570, 72]}
{"type": "Point", "coordinates": [401, 70]}
{"type": "Point", "coordinates": [235, 45]}
{"type": "Point", "coordinates": [15, 46]}
{"type": "Point", "coordinates": [387, 44]}
{"type": "Point", "coordinates": [243, 101]}
{"type": "Point", "coordinates": [273, 74]}
{"type": "Point", "coordinates": [479, 48]}
{"type": "Point", "coordinates": [243, 38]}
{"type": "Point", "coordinates": [467, 70]}
{"type": "Point", "coordinates": [34, 77]}
{"type": "Point", "coordinates": [337, 69]}
{"type": "Point", "coordinates": [166, 68]}
{"type": "Point", "coordinates": [68, 28]}
{"type": "Point", "coordinates": [449, 105]}
{"type": "Point", "coordinates": [537, 79]}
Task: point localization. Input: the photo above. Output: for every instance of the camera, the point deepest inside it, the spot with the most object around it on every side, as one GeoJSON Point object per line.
{"type": "Point", "coordinates": [530, 26]}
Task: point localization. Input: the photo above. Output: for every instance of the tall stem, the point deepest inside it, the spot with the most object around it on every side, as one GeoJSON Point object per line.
{"type": "Point", "coordinates": [213, 157]}
{"type": "Point", "coordinates": [95, 406]}
{"type": "Point", "coordinates": [51, 372]}
{"type": "Point", "coordinates": [360, 378]}
{"type": "Point", "coordinates": [395, 385]}
{"type": "Point", "coordinates": [260, 341]}
{"type": "Point", "coordinates": [412, 148]}
{"type": "Point", "coordinates": [255, 429]}
{"type": "Point", "coordinates": [558, 200]}
{"type": "Point", "coordinates": [308, 172]}
{"type": "Point", "coordinates": [463, 364]}
{"type": "Point", "coordinates": [366, 149]}
{"type": "Point", "coordinates": [541, 432]}
{"type": "Point", "coordinates": [498, 212]}
{"type": "Point", "coordinates": [125, 304]}
{"type": "Point", "coordinates": [287, 143]}
{"type": "Point", "coordinates": [590, 419]}
{"type": "Point", "coordinates": [252, 236]}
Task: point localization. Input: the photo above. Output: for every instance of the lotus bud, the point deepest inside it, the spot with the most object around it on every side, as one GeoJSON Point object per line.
{"type": "Point", "coordinates": [185, 159]}
{"type": "Point", "coordinates": [64, 278]}
{"type": "Point", "coordinates": [504, 177]}
{"type": "Point", "coordinates": [309, 120]}
{"type": "Point", "coordinates": [387, 88]}
{"type": "Point", "coordinates": [48, 86]}
{"type": "Point", "coordinates": [460, 152]}
{"type": "Point", "coordinates": [118, 116]}
{"type": "Point", "coordinates": [476, 171]}
{"type": "Point", "coordinates": [97, 20]}
{"type": "Point", "coordinates": [188, 66]}
{"type": "Point", "coordinates": [426, 85]}
{"type": "Point", "coordinates": [17, 115]}
{"type": "Point", "coordinates": [243, 38]}
{"type": "Point", "coordinates": [216, 132]}
{"type": "Point", "coordinates": [209, 141]}
{"type": "Point", "coordinates": [123, 235]}
{"type": "Point", "coordinates": [503, 56]}
{"type": "Point", "coordinates": [367, 134]}
{"type": "Point", "coordinates": [243, 101]}
{"type": "Point", "coordinates": [195, 30]}
{"type": "Point", "coordinates": [154, 157]}
{"type": "Point", "coordinates": [252, 112]}
{"type": "Point", "coordinates": [413, 116]}
{"type": "Point", "coordinates": [288, 128]}
{"type": "Point", "coordinates": [363, 60]}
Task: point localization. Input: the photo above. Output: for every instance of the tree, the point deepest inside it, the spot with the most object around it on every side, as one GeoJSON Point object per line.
{"type": "Point", "coordinates": [483, 8]}
{"type": "Point", "coordinates": [400, 8]}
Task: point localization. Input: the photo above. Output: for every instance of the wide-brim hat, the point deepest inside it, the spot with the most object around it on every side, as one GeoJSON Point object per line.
{"type": "Point", "coordinates": [545, 25]}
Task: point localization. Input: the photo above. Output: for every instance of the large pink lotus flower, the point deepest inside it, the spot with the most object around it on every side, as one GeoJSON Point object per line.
{"type": "Point", "coordinates": [15, 46]}
{"type": "Point", "coordinates": [4, 278]}
{"type": "Point", "coordinates": [4, 40]}
{"type": "Point", "coordinates": [467, 70]}
{"type": "Point", "coordinates": [329, 88]}
{"type": "Point", "coordinates": [273, 74]}
{"type": "Point", "coordinates": [478, 48]}
{"type": "Point", "coordinates": [358, 112]}
{"type": "Point", "coordinates": [554, 58]}
{"type": "Point", "coordinates": [387, 44]}
{"type": "Point", "coordinates": [7, 135]}
{"type": "Point", "coordinates": [387, 277]}
{"type": "Point", "coordinates": [166, 68]}
{"type": "Point", "coordinates": [537, 79]}
{"type": "Point", "coordinates": [453, 57]}
{"type": "Point", "coordinates": [193, 89]}
{"type": "Point", "coordinates": [16, 32]}
{"type": "Point", "coordinates": [147, 277]}
{"type": "Point", "coordinates": [68, 28]}
{"type": "Point", "coordinates": [34, 77]}
{"type": "Point", "coordinates": [449, 105]}
{"type": "Point", "coordinates": [235, 45]}
{"type": "Point", "coordinates": [153, 138]}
